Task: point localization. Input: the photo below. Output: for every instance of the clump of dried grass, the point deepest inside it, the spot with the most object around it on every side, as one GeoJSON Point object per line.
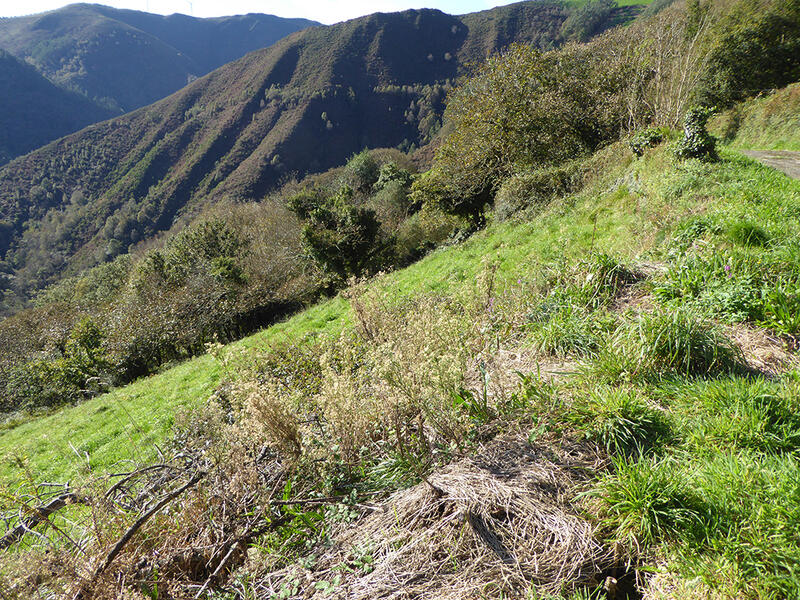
{"type": "Point", "coordinates": [490, 526]}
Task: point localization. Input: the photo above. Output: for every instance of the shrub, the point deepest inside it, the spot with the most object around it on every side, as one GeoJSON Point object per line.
{"type": "Point", "coordinates": [439, 191]}
{"type": "Point", "coordinates": [696, 141]}
{"type": "Point", "coordinates": [344, 238]}
{"type": "Point", "coordinates": [423, 231]}
{"type": "Point", "coordinates": [391, 205]}
{"type": "Point", "coordinates": [755, 47]}
{"type": "Point", "coordinates": [361, 171]}
{"type": "Point", "coordinates": [80, 371]}
{"type": "Point", "coordinates": [390, 172]}
{"type": "Point", "coordinates": [526, 109]}
{"type": "Point", "coordinates": [533, 188]}
{"type": "Point", "coordinates": [644, 139]}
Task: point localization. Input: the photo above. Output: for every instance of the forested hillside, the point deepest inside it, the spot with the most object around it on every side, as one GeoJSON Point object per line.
{"type": "Point", "coordinates": [124, 59]}
{"type": "Point", "coordinates": [302, 105]}
{"type": "Point", "coordinates": [33, 111]}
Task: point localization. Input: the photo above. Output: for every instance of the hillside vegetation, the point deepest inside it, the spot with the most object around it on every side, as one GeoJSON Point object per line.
{"type": "Point", "coordinates": [589, 390]}
{"type": "Point", "coordinates": [125, 59]}
{"type": "Point", "coordinates": [302, 105]}
{"type": "Point", "coordinates": [33, 111]}
{"type": "Point", "coordinates": [771, 122]}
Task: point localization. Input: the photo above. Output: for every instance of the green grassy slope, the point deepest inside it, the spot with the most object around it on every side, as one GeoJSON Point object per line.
{"type": "Point", "coordinates": [766, 123]}
{"type": "Point", "coordinates": [628, 214]}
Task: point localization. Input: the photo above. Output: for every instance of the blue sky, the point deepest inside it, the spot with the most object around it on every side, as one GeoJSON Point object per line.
{"type": "Point", "coordinates": [326, 11]}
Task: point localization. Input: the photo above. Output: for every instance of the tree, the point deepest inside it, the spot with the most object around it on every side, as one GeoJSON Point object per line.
{"type": "Point", "coordinates": [344, 238]}
{"type": "Point", "coordinates": [526, 109]}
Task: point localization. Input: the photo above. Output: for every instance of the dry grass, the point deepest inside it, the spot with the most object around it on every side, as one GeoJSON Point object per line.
{"type": "Point", "coordinates": [763, 351]}
{"type": "Point", "coordinates": [495, 524]}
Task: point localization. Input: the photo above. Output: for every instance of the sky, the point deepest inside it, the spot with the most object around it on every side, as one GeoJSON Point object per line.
{"type": "Point", "coordinates": [325, 11]}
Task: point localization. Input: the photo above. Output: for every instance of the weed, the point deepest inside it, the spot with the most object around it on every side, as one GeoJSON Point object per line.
{"type": "Point", "coordinates": [781, 308]}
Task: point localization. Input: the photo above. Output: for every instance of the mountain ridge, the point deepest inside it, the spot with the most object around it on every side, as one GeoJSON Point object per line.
{"type": "Point", "coordinates": [302, 105]}
{"type": "Point", "coordinates": [124, 59]}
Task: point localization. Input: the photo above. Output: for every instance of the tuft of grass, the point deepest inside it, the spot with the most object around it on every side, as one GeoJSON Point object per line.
{"type": "Point", "coordinates": [623, 422]}
{"type": "Point", "coordinates": [565, 330]}
{"type": "Point", "coordinates": [668, 343]}
{"type": "Point", "coordinates": [747, 233]}
{"type": "Point", "coordinates": [605, 278]}
{"type": "Point", "coordinates": [648, 500]}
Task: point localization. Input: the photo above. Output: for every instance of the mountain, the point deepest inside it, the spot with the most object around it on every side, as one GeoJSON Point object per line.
{"type": "Point", "coordinates": [33, 111]}
{"type": "Point", "coordinates": [125, 59]}
{"type": "Point", "coordinates": [302, 105]}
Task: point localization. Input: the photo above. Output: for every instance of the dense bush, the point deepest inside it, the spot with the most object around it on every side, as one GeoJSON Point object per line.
{"type": "Point", "coordinates": [521, 110]}
{"type": "Point", "coordinates": [344, 238]}
{"type": "Point", "coordinates": [74, 372]}
{"type": "Point", "coordinates": [233, 269]}
{"type": "Point", "coordinates": [532, 188]}
{"type": "Point", "coordinates": [696, 141]}
{"type": "Point", "coordinates": [754, 47]}
{"type": "Point", "coordinates": [644, 139]}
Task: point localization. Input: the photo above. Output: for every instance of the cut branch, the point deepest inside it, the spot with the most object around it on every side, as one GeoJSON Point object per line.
{"type": "Point", "coordinates": [40, 514]}
{"type": "Point", "coordinates": [136, 526]}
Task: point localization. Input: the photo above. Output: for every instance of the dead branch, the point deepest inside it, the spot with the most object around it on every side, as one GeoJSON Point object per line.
{"type": "Point", "coordinates": [126, 477]}
{"type": "Point", "coordinates": [136, 526]}
{"type": "Point", "coordinates": [39, 515]}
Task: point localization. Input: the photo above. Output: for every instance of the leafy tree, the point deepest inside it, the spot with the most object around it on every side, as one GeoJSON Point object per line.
{"type": "Point", "coordinates": [521, 110]}
{"type": "Point", "coordinates": [361, 171]}
{"type": "Point", "coordinates": [344, 238]}
{"type": "Point", "coordinates": [391, 172]}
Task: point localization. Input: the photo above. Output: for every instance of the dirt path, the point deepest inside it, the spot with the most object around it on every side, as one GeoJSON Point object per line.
{"type": "Point", "coordinates": [783, 160]}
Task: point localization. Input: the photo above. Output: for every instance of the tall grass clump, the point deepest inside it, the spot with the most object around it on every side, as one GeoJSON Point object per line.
{"type": "Point", "coordinates": [649, 500]}
{"type": "Point", "coordinates": [664, 343]}
{"type": "Point", "coordinates": [564, 330]}
{"type": "Point", "coordinates": [623, 422]}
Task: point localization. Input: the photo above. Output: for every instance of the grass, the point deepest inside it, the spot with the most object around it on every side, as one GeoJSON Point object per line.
{"type": "Point", "coordinates": [768, 123]}
{"type": "Point", "coordinates": [125, 423]}
{"type": "Point", "coordinates": [122, 425]}
{"type": "Point", "coordinates": [703, 481]}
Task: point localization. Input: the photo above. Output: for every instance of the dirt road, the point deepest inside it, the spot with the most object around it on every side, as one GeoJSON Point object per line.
{"type": "Point", "coordinates": [783, 160]}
